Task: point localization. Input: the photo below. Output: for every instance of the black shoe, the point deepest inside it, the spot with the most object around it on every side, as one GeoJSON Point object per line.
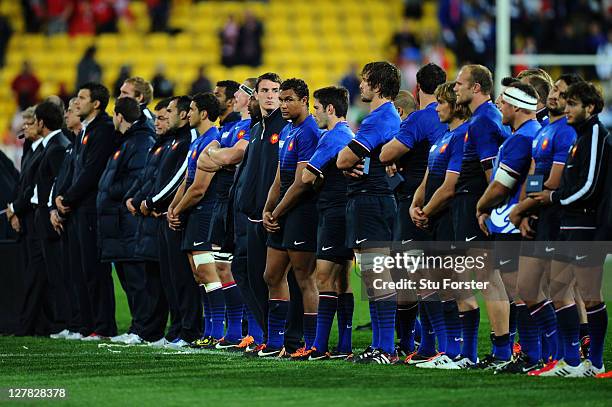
{"type": "Point", "coordinates": [490, 362]}
{"type": "Point", "coordinates": [335, 354]}
{"type": "Point", "coordinates": [402, 352]}
{"type": "Point", "coordinates": [367, 353]}
{"type": "Point", "coordinates": [520, 365]}
{"type": "Point", "coordinates": [484, 363]}
{"type": "Point", "coordinates": [224, 344]}
{"type": "Point", "coordinates": [269, 352]}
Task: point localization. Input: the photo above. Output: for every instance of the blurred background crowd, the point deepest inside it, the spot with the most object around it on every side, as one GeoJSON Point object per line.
{"type": "Point", "coordinates": [184, 46]}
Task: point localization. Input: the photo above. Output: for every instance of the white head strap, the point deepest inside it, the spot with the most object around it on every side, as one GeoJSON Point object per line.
{"type": "Point", "coordinates": [520, 99]}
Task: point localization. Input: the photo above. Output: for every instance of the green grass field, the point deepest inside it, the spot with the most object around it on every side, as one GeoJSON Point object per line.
{"type": "Point", "coordinates": [97, 374]}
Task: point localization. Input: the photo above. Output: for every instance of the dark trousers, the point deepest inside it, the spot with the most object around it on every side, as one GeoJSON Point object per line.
{"type": "Point", "coordinates": [132, 279]}
{"type": "Point", "coordinates": [185, 287]}
{"type": "Point", "coordinates": [35, 318]}
{"type": "Point", "coordinates": [256, 266]}
{"type": "Point", "coordinates": [70, 268]}
{"type": "Point", "coordinates": [157, 311]}
{"type": "Point", "coordinates": [83, 321]}
{"type": "Point", "coordinates": [97, 275]}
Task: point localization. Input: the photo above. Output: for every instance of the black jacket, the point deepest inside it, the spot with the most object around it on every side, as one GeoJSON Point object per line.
{"type": "Point", "coordinates": [8, 182]}
{"type": "Point", "coordinates": [604, 215]}
{"type": "Point", "coordinates": [95, 145]}
{"type": "Point", "coordinates": [146, 231]}
{"type": "Point", "coordinates": [50, 165]}
{"type": "Point", "coordinates": [64, 176]}
{"type": "Point", "coordinates": [172, 167]}
{"type": "Point", "coordinates": [259, 166]}
{"type": "Point", "coordinates": [25, 187]}
{"type": "Point", "coordinates": [582, 182]}
{"type": "Point", "coordinates": [116, 225]}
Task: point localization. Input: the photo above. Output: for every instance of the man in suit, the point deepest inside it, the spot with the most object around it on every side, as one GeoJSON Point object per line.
{"type": "Point", "coordinates": [96, 143]}
{"type": "Point", "coordinates": [34, 318]}
{"type": "Point", "coordinates": [48, 123]}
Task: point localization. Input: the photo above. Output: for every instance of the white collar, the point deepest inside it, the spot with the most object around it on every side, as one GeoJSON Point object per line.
{"type": "Point", "coordinates": [49, 136]}
{"type": "Point", "coordinates": [36, 143]}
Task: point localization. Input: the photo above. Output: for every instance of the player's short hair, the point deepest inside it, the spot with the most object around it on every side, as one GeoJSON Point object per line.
{"type": "Point", "coordinates": [481, 75]}
{"type": "Point", "coordinates": [541, 85]}
{"type": "Point", "coordinates": [142, 88]}
{"type": "Point", "coordinates": [534, 72]}
{"type": "Point", "coordinates": [298, 86]}
{"type": "Point", "coordinates": [207, 102]}
{"type": "Point", "coordinates": [337, 96]}
{"type": "Point", "coordinates": [570, 78]}
{"type": "Point", "coordinates": [97, 92]}
{"type": "Point", "coordinates": [270, 76]}
{"type": "Point", "coordinates": [50, 114]}
{"type": "Point", "coordinates": [447, 93]}
{"type": "Point", "coordinates": [509, 80]}
{"type": "Point", "coordinates": [230, 88]}
{"type": "Point", "coordinates": [406, 101]}
{"type": "Point", "coordinates": [162, 104]}
{"type": "Point", "coordinates": [429, 77]}
{"type": "Point", "coordinates": [382, 75]}
{"type": "Point", "coordinates": [128, 108]}
{"type": "Point", "coordinates": [182, 103]}
{"type": "Point", "coordinates": [587, 93]}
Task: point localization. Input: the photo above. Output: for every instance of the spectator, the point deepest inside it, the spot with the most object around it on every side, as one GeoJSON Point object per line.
{"type": "Point", "coordinates": [82, 21]}
{"type": "Point", "coordinates": [5, 35]}
{"type": "Point", "coordinates": [604, 51]}
{"type": "Point", "coordinates": [105, 16]}
{"type": "Point", "coordinates": [162, 87]}
{"type": "Point", "coordinates": [249, 49]}
{"type": "Point", "coordinates": [58, 13]}
{"type": "Point", "coordinates": [63, 93]}
{"type": "Point", "coordinates": [351, 82]}
{"type": "Point", "coordinates": [201, 84]}
{"type": "Point", "coordinates": [405, 43]}
{"type": "Point", "coordinates": [88, 70]}
{"type": "Point", "coordinates": [33, 14]}
{"type": "Point", "coordinates": [159, 11]}
{"type": "Point", "coordinates": [26, 86]}
{"type": "Point", "coordinates": [229, 35]}
{"type": "Point", "coordinates": [124, 72]}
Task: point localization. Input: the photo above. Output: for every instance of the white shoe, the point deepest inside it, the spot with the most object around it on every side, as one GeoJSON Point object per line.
{"type": "Point", "coordinates": [74, 336]}
{"type": "Point", "coordinates": [93, 337]}
{"type": "Point", "coordinates": [562, 369]}
{"type": "Point", "coordinates": [159, 343]}
{"type": "Point", "coordinates": [464, 363]}
{"type": "Point", "coordinates": [133, 339]}
{"type": "Point", "coordinates": [590, 370]}
{"type": "Point", "coordinates": [177, 344]}
{"type": "Point", "coordinates": [440, 362]}
{"type": "Point", "coordinates": [120, 338]}
{"type": "Point", "coordinates": [60, 335]}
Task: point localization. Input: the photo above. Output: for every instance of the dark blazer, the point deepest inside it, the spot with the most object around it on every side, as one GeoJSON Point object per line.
{"type": "Point", "coordinates": [95, 145]}
{"type": "Point", "coordinates": [25, 187]}
{"type": "Point", "coordinates": [48, 169]}
{"type": "Point", "coordinates": [116, 225]}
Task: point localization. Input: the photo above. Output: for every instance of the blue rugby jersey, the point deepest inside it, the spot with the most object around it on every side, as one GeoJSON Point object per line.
{"type": "Point", "coordinates": [323, 163]}
{"type": "Point", "coordinates": [225, 177]}
{"type": "Point", "coordinates": [298, 144]}
{"type": "Point", "coordinates": [376, 129]}
{"type": "Point", "coordinates": [445, 155]}
{"type": "Point", "coordinates": [484, 136]}
{"type": "Point", "coordinates": [420, 130]}
{"type": "Point", "coordinates": [194, 152]}
{"type": "Point", "coordinates": [226, 127]}
{"type": "Point", "coordinates": [514, 156]}
{"type": "Point", "coordinates": [552, 145]}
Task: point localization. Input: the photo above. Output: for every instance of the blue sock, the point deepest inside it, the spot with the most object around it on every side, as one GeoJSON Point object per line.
{"type": "Point", "coordinates": [453, 328]}
{"type": "Point", "coordinates": [309, 324]}
{"type": "Point", "coordinates": [469, 330]}
{"type": "Point", "coordinates": [206, 319]}
{"type": "Point", "coordinates": [385, 311]}
{"type": "Point", "coordinates": [428, 339]}
{"type": "Point", "coordinates": [374, 319]}
{"type": "Point", "coordinates": [492, 339]}
{"type": "Point", "coordinates": [254, 329]}
{"type": "Point", "coordinates": [598, 324]}
{"type": "Point", "coordinates": [569, 324]}
{"type": "Point", "coordinates": [328, 303]}
{"type": "Point", "coordinates": [406, 317]}
{"type": "Point", "coordinates": [217, 312]}
{"type": "Point", "coordinates": [584, 330]}
{"type": "Point", "coordinates": [277, 318]}
{"type": "Point", "coordinates": [529, 334]}
{"type": "Point", "coordinates": [346, 306]}
{"type": "Point", "coordinates": [417, 329]}
{"type": "Point", "coordinates": [560, 347]}
{"type": "Point", "coordinates": [503, 349]}
{"type": "Point", "coordinates": [513, 321]}
{"type": "Point", "coordinates": [544, 316]}
{"type": "Point", "coordinates": [233, 305]}
{"type": "Point", "coordinates": [435, 313]}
